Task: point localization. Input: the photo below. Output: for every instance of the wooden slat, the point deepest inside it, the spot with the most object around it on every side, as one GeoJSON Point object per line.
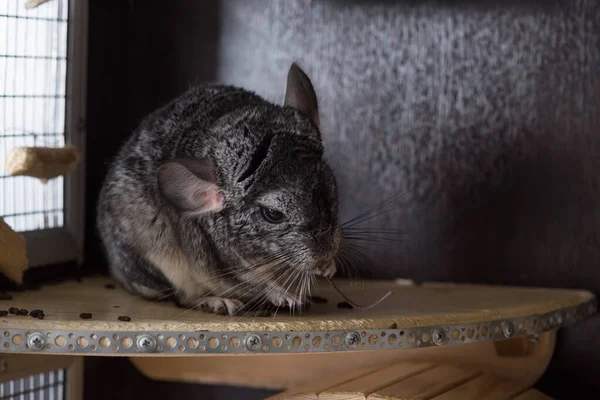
{"type": "Point", "coordinates": [360, 388]}
{"type": "Point", "coordinates": [483, 387]}
{"type": "Point", "coordinates": [314, 389]}
{"type": "Point", "coordinates": [428, 384]}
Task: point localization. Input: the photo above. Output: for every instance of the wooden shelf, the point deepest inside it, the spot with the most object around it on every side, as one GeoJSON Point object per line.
{"type": "Point", "coordinates": [413, 317]}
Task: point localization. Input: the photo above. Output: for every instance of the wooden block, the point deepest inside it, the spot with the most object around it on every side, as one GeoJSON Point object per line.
{"type": "Point", "coordinates": [43, 163]}
{"type": "Point", "coordinates": [314, 390]}
{"type": "Point", "coordinates": [13, 254]}
{"type": "Point", "coordinates": [428, 384]}
{"type": "Point", "coordinates": [360, 388]}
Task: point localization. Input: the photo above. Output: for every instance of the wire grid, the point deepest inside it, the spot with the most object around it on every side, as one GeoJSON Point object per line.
{"type": "Point", "coordinates": [33, 72]}
{"type": "Point", "coordinates": [46, 386]}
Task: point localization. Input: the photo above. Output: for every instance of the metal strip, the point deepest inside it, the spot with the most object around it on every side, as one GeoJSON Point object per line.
{"type": "Point", "coordinates": [176, 343]}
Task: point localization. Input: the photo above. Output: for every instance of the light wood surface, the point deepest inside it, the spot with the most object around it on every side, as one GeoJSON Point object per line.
{"type": "Point", "coordinates": [408, 306]}
{"type": "Point", "coordinates": [419, 381]}
{"type": "Point", "coordinates": [310, 374]}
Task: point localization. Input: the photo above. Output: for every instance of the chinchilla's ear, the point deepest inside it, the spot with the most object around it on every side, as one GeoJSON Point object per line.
{"type": "Point", "coordinates": [300, 94]}
{"type": "Point", "coordinates": [190, 186]}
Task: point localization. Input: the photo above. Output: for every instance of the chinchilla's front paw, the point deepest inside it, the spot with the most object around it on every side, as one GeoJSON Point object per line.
{"type": "Point", "coordinates": [215, 305]}
{"type": "Point", "coordinates": [328, 271]}
{"type": "Point", "coordinates": [222, 306]}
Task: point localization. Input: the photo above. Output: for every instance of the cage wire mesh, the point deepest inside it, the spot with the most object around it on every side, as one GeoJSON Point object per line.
{"type": "Point", "coordinates": [33, 72]}
{"type": "Point", "coordinates": [47, 386]}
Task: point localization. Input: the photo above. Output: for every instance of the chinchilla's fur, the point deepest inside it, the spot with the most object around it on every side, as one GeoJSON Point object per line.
{"type": "Point", "coordinates": [222, 200]}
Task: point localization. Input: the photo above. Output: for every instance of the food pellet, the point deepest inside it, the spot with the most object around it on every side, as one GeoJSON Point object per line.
{"type": "Point", "coordinates": [41, 315]}
{"type": "Point", "coordinates": [23, 311]}
{"type": "Point", "coordinates": [85, 315]}
{"type": "Point", "coordinates": [344, 304]}
{"type": "Point", "coordinates": [35, 313]}
{"type": "Point", "coordinates": [4, 296]}
{"type": "Point", "coordinates": [124, 318]}
{"type": "Point", "coordinates": [109, 286]}
{"type": "Point", "coordinates": [3, 313]}
{"type": "Point", "coordinates": [13, 310]}
{"type": "Point", "coordinates": [318, 299]}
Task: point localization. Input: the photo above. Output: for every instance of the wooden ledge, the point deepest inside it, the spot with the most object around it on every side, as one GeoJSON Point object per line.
{"type": "Point", "coordinates": [96, 318]}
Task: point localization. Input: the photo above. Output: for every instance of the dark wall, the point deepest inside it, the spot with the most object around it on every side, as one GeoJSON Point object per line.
{"type": "Point", "coordinates": [482, 115]}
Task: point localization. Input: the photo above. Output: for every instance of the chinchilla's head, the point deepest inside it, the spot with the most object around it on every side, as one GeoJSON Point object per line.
{"type": "Point", "coordinates": [264, 195]}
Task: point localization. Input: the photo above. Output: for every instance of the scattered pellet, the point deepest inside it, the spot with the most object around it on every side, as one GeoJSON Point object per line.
{"type": "Point", "coordinates": [110, 286]}
{"type": "Point", "coordinates": [318, 299]}
{"type": "Point", "coordinates": [23, 311]}
{"type": "Point", "coordinates": [394, 326]}
{"type": "Point", "coordinates": [4, 296]}
{"type": "Point", "coordinates": [117, 306]}
{"type": "Point", "coordinates": [85, 315]}
{"type": "Point", "coordinates": [124, 318]}
{"type": "Point", "coordinates": [35, 313]}
{"type": "Point", "coordinates": [41, 315]}
{"type": "Point", "coordinates": [13, 310]}
{"type": "Point", "coordinates": [344, 304]}
{"type": "Point", "coordinates": [3, 313]}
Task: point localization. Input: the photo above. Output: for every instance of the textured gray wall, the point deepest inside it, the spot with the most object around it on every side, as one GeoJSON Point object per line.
{"type": "Point", "coordinates": [440, 101]}
{"type": "Point", "coordinates": [483, 115]}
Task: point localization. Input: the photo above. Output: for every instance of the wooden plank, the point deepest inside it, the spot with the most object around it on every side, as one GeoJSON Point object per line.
{"type": "Point", "coordinates": [360, 388]}
{"type": "Point", "coordinates": [533, 395]}
{"type": "Point", "coordinates": [428, 384]}
{"type": "Point", "coordinates": [313, 389]}
{"type": "Point", "coordinates": [409, 306]}
{"type": "Point", "coordinates": [483, 387]}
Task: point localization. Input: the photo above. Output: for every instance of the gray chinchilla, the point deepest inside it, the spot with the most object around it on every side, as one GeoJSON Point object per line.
{"type": "Point", "coordinates": [222, 199]}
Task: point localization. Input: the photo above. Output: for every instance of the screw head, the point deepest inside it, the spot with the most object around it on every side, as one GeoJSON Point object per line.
{"type": "Point", "coordinates": [508, 329]}
{"type": "Point", "coordinates": [253, 342]}
{"type": "Point", "coordinates": [438, 336]}
{"type": "Point", "coordinates": [146, 343]}
{"type": "Point", "coordinates": [36, 341]}
{"type": "Point", "coordinates": [352, 339]}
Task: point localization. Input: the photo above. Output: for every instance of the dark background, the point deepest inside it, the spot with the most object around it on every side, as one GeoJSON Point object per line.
{"type": "Point", "coordinates": [483, 114]}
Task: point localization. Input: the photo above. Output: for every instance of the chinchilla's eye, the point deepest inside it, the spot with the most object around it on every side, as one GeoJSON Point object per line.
{"type": "Point", "coordinates": [272, 216]}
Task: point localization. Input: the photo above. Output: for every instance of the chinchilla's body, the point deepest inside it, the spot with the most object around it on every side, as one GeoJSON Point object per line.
{"type": "Point", "coordinates": [222, 200]}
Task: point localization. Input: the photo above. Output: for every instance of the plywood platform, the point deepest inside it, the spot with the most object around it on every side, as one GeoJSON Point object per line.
{"type": "Point", "coordinates": [413, 316]}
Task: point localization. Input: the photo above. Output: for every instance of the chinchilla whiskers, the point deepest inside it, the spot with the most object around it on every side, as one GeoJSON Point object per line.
{"type": "Point", "coordinates": [263, 299]}
{"type": "Point", "coordinates": [262, 277]}
{"type": "Point", "coordinates": [169, 292]}
{"type": "Point", "coordinates": [373, 212]}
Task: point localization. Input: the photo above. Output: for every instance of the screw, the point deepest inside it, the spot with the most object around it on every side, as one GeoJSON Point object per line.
{"type": "Point", "coordinates": [352, 339]}
{"type": "Point", "coordinates": [439, 336]}
{"type": "Point", "coordinates": [146, 343]}
{"type": "Point", "coordinates": [253, 342]}
{"type": "Point", "coordinates": [508, 329]}
{"type": "Point", "coordinates": [36, 341]}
